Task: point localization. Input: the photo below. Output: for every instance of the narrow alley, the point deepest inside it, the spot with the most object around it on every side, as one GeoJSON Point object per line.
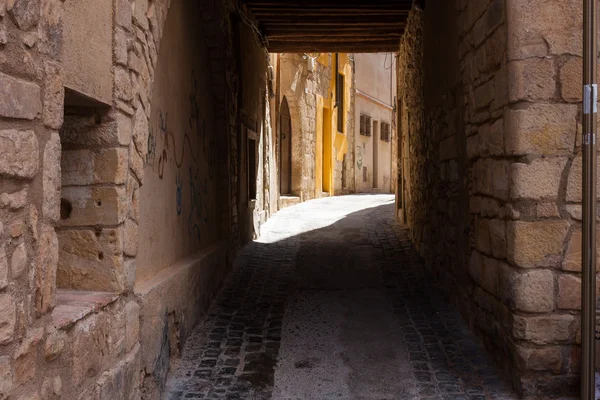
{"type": "Point", "coordinates": [333, 302]}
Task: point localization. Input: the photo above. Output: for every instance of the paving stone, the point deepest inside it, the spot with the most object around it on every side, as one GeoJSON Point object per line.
{"type": "Point", "coordinates": [234, 351]}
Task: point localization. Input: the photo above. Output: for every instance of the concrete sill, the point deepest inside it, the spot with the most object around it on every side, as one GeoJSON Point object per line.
{"type": "Point", "coordinates": [74, 305]}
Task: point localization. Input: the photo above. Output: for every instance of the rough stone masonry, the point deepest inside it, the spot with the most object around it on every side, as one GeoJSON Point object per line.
{"type": "Point", "coordinates": [489, 159]}
{"type": "Point", "coordinates": [491, 151]}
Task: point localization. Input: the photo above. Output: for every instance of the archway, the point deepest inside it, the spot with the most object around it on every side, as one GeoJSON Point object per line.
{"type": "Point", "coordinates": [285, 156]}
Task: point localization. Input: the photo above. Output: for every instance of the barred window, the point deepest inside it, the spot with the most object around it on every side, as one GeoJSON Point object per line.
{"type": "Point", "coordinates": [386, 134]}
{"type": "Point", "coordinates": [365, 125]}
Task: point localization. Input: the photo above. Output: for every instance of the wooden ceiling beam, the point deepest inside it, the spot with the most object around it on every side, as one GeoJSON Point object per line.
{"type": "Point", "coordinates": [333, 39]}
{"type": "Point", "coordinates": [333, 36]}
{"type": "Point", "coordinates": [337, 48]}
{"type": "Point", "coordinates": [322, 32]}
{"type": "Point", "coordinates": [335, 3]}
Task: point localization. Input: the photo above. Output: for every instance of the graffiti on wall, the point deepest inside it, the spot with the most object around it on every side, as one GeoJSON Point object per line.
{"type": "Point", "coordinates": [163, 149]}
{"type": "Point", "coordinates": [360, 151]}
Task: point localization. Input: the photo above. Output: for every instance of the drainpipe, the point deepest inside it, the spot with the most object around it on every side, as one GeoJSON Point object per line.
{"type": "Point", "coordinates": [588, 261]}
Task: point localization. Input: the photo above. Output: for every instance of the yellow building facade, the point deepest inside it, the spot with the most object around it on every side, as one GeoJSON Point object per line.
{"type": "Point", "coordinates": [332, 128]}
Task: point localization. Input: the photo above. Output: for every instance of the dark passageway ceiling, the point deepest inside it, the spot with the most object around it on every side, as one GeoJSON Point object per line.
{"type": "Point", "coordinates": [344, 26]}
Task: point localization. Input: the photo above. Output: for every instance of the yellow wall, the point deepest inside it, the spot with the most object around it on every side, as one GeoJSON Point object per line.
{"type": "Point", "coordinates": [337, 142]}
{"type": "Point", "coordinates": [319, 148]}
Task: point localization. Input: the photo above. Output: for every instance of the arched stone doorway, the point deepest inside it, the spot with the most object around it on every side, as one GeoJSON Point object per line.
{"type": "Point", "coordinates": [285, 139]}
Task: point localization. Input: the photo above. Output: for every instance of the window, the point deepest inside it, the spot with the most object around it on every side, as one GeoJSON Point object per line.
{"type": "Point", "coordinates": [365, 125]}
{"type": "Point", "coordinates": [386, 134]}
{"type": "Point", "coordinates": [340, 100]}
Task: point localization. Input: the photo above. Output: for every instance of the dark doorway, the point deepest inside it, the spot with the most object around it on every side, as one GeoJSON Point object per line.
{"type": "Point", "coordinates": [285, 138]}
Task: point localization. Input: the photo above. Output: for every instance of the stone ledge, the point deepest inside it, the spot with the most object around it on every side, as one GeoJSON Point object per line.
{"type": "Point", "coordinates": [287, 201]}
{"type": "Point", "coordinates": [74, 305]}
{"type": "Point", "coordinates": [172, 303]}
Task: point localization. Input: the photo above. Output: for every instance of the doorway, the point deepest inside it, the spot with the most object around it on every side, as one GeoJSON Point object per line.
{"type": "Point", "coordinates": [375, 138]}
{"type": "Point", "coordinates": [285, 139]}
{"type": "Point", "coordinates": [326, 150]}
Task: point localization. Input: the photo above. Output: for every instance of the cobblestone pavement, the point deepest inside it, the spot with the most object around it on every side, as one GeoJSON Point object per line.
{"type": "Point", "coordinates": [333, 302]}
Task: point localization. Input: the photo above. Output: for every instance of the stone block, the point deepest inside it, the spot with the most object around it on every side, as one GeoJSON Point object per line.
{"type": "Point", "coordinates": [483, 241]}
{"type": "Point", "coordinates": [116, 332]}
{"type": "Point", "coordinates": [47, 261]}
{"type": "Point", "coordinates": [25, 356]}
{"type": "Point", "coordinates": [483, 95]}
{"type": "Point", "coordinates": [120, 47]}
{"type": "Point", "coordinates": [55, 343]}
{"type": "Point", "coordinates": [490, 277]}
{"type": "Point", "coordinates": [140, 14]}
{"type": "Point", "coordinates": [571, 81]}
{"type": "Point", "coordinates": [140, 131]}
{"type": "Point", "coordinates": [534, 244]}
{"type": "Point", "coordinates": [537, 180]}
{"type": "Point", "coordinates": [3, 267]}
{"type": "Point", "coordinates": [19, 261]}
{"type": "Point", "coordinates": [545, 329]}
{"type": "Point", "coordinates": [482, 176]}
{"type": "Point", "coordinates": [136, 163]}
{"type": "Point", "coordinates": [6, 377]}
{"type": "Point", "coordinates": [500, 88]}
{"type": "Point", "coordinates": [547, 210]}
{"type": "Point", "coordinates": [7, 318]}
{"type": "Point", "coordinates": [123, 86]}
{"type": "Point", "coordinates": [495, 50]}
{"type": "Point", "coordinates": [89, 347]}
{"type": "Point", "coordinates": [574, 189]}
{"type": "Point", "coordinates": [91, 260]}
{"type": "Point", "coordinates": [124, 14]}
{"type": "Point", "coordinates": [52, 178]}
{"type": "Point", "coordinates": [531, 291]}
{"type": "Point", "coordinates": [24, 13]}
{"type": "Point", "coordinates": [19, 155]}
{"type": "Point", "coordinates": [87, 167]}
{"type": "Point", "coordinates": [50, 30]}
{"type": "Point", "coordinates": [569, 292]}
{"type": "Point", "coordinates": [54, 96]}
{"type": "Point", "coordinates": [124, 128]}
{"type": "Point", "coordinates": [131, 238]}
{"type": "Point", "coordinates": [88, 59]}
{"type": "Point", "coordinates": [476, 266]}
{"type": "Point", "coordinates": [19, 99]}
{"type": "Point", "coordinates": [538, 28]}
{"type": "Point", "coordinates": [495, 138]}
{"type": "Point", "coordinates": [52, 388]}
{"type": "Point", "coordinates": [122, 381]}
{"type": "Point", "coordinates": [531, 79]}
{"type": "Point", "coordinates": [572, 260]}
{"type": "Point", "coordinates": [544, 129]}
{"type": "Point", "coordinates": [15, 200]}
{"type": "Point", "coordinates": [497, 229]}
{"type": "Point", "coordinates": [474, 146]}
{"type": "Point", "coordinates": [133, 194]}
{"type": "Point", "coordinates": [132, 329]}
{"type": "Point", "coordinates": [500, 179]}
{"type": "Point", "coordinates": [539, 359]}
{"type": "Point", "coordinates": [91, 206]}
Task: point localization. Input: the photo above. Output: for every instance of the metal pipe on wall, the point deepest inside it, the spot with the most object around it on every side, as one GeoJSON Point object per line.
{"type": "Point", "coordinates": [588, 262]}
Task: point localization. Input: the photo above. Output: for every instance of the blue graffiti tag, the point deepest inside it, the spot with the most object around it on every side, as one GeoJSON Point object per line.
{"type": "Point", "coordinates": [199, 210]}
{"type": "Point", "coordinates": [178, 183]}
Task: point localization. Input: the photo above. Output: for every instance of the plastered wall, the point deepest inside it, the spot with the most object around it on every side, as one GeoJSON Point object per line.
{"type": "Point", "coordinates": [178, 203]}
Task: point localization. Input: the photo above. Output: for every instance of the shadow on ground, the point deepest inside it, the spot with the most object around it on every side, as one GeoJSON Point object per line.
{"type": "Point", "coordinates": [333, 302]}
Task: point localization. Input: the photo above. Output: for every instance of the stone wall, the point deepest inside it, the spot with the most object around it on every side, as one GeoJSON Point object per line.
{"type": "Point", "coordinates": [491, 151]}
{"type": "Point", "coordinates": [301, 88]}
{"type": "Point", "coordinates": [93, 115]}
